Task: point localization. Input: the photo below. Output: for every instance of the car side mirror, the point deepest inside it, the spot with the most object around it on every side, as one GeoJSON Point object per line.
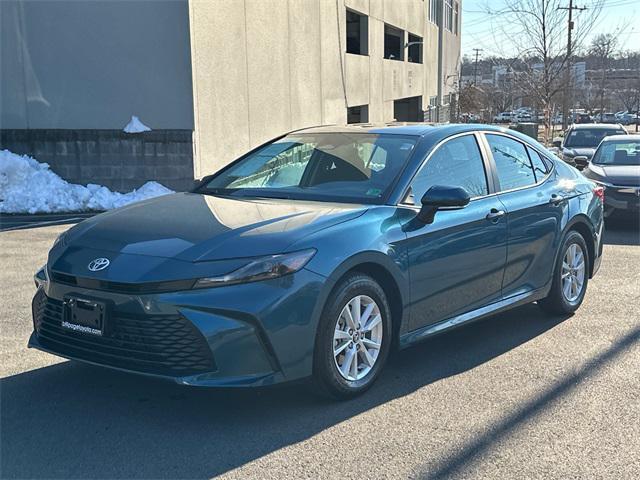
{"type": "Point", "coordinates": [557, 143]}
{"type": "Point", "coordinates": [440, 197]}
{"type": "Point", "coordinates": [580, 158]}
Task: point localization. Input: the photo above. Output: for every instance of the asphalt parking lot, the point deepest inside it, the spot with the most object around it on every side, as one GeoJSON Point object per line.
{"type": "Point", "coordinates": [520, 395]}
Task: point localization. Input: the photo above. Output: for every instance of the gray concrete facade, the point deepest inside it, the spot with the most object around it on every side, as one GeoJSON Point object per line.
{"type": "Point", "coordinates": [92, 64]}
{"type": "Point", "coordinates": [265, 67]}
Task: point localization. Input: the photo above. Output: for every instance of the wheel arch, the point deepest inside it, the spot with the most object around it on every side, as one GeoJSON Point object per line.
{"type": "Point", "coordinates": [581, 224]}
{"type": "Point", "coordinates": [383, 270]}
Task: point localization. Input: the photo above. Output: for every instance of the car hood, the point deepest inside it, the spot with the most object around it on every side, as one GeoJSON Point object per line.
{"type": "Point", "coordinates": [194, 227]}
{"type": "Point", "coordinates": [627, 175]}
{"type": "Point", "coordinates": [582, 152]}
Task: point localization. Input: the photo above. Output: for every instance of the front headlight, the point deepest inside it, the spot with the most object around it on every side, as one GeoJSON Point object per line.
{"type": "Point", "coordinates": [41, 277]}
{"type": "Point", "coordinates": [60, 239]}
{"type": "Point", "coordinates": [262, 268]}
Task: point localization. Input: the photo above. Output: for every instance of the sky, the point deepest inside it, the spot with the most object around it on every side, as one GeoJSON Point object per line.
{"type": "Point", "coordinates": [479, 29]}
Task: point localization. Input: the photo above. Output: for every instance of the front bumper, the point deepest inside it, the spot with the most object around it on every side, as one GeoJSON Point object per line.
{"type": "Point", "coordinates": [251, 334]}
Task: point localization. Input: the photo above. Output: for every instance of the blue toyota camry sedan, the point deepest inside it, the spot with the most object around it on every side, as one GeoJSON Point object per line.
{"type": "Point", "coordinates": [317, 253]}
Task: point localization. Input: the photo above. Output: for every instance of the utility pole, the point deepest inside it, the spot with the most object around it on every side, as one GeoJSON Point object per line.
{"type": "Point", "coordinates": [475, 66]}
{"type": "Point", "coordinates": [567, 73]}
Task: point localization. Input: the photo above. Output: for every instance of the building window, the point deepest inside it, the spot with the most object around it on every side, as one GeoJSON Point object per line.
{"type": "Point", "coordinates": [408, 109]}
{"type": "Point", "coordinates": [414, 52]}
{"type": "Point", "coordinates": [433, 101]}
{"type": "Point", "coordinates": [456, 17]}
{"type": "Point", "coordinates": [357, 33]}
{"type": "Point", "coordinates": [435, 9]}
{"type": "Point", "coordinates": [448, 14]}
{"type": "Point", "coordinates": [359, 114]}
{"type": "Point", "coordinates": [393, 43]}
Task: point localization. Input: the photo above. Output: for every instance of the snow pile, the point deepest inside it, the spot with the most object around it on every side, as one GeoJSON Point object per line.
{"type": "Point", "coordinates": [28, 186]}
{"type": "Point", "coordinates": [135, 126]}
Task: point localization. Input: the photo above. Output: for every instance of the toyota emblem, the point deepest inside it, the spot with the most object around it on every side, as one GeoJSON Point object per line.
{"type": "Point", "coordinates": [98, 264]}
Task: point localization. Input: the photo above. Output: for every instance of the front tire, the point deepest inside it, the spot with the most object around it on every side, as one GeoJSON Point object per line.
{"type": "Point", "coordinates": [570, 277]}
{"type": "Point", "coordinates": [353, 340]}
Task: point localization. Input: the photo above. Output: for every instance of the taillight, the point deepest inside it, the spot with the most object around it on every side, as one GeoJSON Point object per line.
{"type": "Point", "coordinates": [599, 192]}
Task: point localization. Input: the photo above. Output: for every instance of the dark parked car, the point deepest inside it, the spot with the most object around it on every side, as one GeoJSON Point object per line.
{"type": "Point", "coordinates": [582, 118]}
{"type": "Point", "coordinates": [580, 141]}
{"type": "Point", "coordinates": [616, 166]}
{"type": "Point", "coordinates": [314, 254]}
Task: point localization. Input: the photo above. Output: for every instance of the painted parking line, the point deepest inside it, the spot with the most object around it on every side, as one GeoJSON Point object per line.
{"type": "Point", "coordinates": [26, 225]}
{"type": "Point", "coordinates": [20, 222]}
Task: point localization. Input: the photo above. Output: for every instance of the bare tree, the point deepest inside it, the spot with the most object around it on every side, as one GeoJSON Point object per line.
{"type": "Point", "coordinates": [537, 31]}
{"type": "Point", "coordinates": [602, 49]}
{"type": "Point", "coordinates": [470, 98]}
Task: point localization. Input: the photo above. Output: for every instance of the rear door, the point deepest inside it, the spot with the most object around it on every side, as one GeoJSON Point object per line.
{"type": "Point", "coordinates": [456, 263]}
{"type": "Point", "coordinates": [535, 206]}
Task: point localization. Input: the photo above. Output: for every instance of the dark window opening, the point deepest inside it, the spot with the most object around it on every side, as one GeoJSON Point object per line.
{"type": "Point", "coordinates": [393, 43]}
{"type": "Point", "coordinates": [415, 49]}
{"type": "Point", "coordinates": [408, 110]}
{"type": "Point", "coordinates": [359, 114]}
{"type": "Point", "coordinates": [357, 33]}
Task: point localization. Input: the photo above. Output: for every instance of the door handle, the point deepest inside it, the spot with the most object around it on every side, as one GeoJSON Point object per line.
{"type": "Point", "coordinates": [556, 199]}
{"type": "Point", "coordinates": [495, 214]}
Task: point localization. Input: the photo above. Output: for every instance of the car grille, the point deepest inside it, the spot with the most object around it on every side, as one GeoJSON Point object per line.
{"type": "Point", "coordinates": [118, 287]}
{"type": "Point", "coordinates": [158, 344]}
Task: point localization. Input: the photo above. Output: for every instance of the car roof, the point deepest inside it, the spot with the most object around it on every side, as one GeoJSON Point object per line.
{"type": "Point", "coordinates": [432, 134]}
{"type": "Point", "coordinates": [400, 128]}
{"type": "Point", "coordinates": [596, 126]}
{"type": "Point", "coordinates": [415, 129]}
{"type": "Point", "coordinates": [626, 138]}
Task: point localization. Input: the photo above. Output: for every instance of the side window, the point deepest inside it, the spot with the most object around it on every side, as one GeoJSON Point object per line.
{"type": "Point", "coordinates": [512, 162]}
{"type": "Point", "coordinates": [540, 168]}
{"type": "Point", "coordinates": [457, 163]}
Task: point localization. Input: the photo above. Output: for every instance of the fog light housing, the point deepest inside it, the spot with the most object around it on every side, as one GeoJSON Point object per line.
{"type": "Point", "coordinates": [41, 278]}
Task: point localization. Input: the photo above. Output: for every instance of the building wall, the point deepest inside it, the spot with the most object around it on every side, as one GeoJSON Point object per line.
{"type": "Point", "coordinates": [265, 67]}
{"type": "Point", "coordinates": [92, 64]}
{"type": "Point", "coordinates": [73, 74]}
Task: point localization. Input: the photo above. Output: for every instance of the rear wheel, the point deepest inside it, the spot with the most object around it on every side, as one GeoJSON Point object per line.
{"type": "Point", "coordinates": [570, 277]}
{"type": "Point", "coordinates": [353, 339]}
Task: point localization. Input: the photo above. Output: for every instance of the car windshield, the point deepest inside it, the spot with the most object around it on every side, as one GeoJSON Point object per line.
{"type": "Point", "coordinates": [346, 167]}
{"type": "Point", "coordinates": [589, 137]}
{"type": "Point", "coordinates": [619, 152]}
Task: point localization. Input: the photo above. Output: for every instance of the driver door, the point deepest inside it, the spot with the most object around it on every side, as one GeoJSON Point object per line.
{"type": "Point", "coordinates": [456, 263]}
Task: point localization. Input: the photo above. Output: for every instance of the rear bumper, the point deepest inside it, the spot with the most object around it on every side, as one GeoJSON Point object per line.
{"type": "Point", "coordinates": [617, 201]}
{"type": "Point", "coordinates": [243, 335]}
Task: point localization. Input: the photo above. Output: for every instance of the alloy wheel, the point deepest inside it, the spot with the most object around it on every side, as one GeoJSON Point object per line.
{"type": "Point", "coordinates": [357, 338]}
{"type": "Point", "coordinates": [573, 272]}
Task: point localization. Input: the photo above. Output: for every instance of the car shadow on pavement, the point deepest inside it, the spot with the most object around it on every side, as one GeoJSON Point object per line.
{"type": "Point", "coordinates": [77, 421]}
{"type": "Point", "coordinates": [452, 466]}
{"type": "Point", "coordinates": [622, 230]}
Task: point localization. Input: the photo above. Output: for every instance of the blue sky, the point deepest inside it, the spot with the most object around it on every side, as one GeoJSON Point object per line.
{"type": "Point", "coordinates": [478, 29]}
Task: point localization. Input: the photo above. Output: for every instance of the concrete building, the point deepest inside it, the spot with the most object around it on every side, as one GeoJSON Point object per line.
{"type": "Point", "coordinates": [212, 78]}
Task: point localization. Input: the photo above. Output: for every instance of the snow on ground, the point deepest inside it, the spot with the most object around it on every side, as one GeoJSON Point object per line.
{"type": "Point", "coordinates": [135, 126]}
{"type": "Point", "coordinates": [28, 186]}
